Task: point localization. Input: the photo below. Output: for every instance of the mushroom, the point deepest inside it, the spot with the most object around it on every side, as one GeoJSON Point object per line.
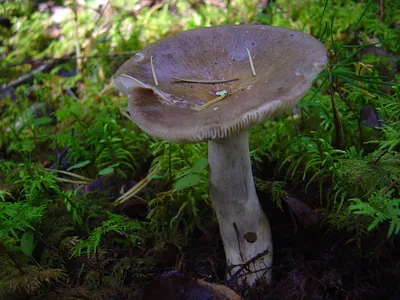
{"type": "Point", "coordinates": [213, 84]}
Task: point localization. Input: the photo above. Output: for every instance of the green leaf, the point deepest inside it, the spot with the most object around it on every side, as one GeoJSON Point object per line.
{"type": "Point", "coordinates": [106, 171]}
{"type": "Point", "coordinates": [187, 181]}
{"type": "Point", "coordinates": [27, 243]}
{"type": "Point", "coordinates": [79, 165]}
{"type": "Point", "coordinates": [42, 121]}
{"type": "Point", "coordinates": [200, 165]}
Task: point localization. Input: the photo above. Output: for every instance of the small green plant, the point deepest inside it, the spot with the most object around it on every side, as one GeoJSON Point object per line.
{"type": "Point", "coordinates": [114, 223]}
{"type": "Point", "coordinates": [62, 138]}
{"type": "Point", "coordinates": [380, 207]}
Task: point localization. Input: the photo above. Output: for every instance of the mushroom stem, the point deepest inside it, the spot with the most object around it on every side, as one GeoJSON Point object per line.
{"type": "Point", "coordinates": [244, 228]}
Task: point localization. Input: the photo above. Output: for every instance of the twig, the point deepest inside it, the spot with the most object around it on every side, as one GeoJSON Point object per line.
{"type": "Point", "coordinates": [71, 174]}
{"type": "Point", "coordinates": [27, 77]}
{"type": "Point", "coordinates": [153, 9]}
{"type": "Point", "coordinates": [382, 2]}
{"type": "Point", "coordinates": [391, 186]}
{"type": "Point", "coordinates": [72, 181]}
{"type": "Point", "coordinates": [101, 13]}
{"type": "Point", "coordinates": [213, 269]}
{"type": "Point", "coordinates": [137, 188]}
{"type": "Point", "coordinates": [125, 114]}
{"type": "Point", "coordinates": [253, 259]}
{"type": "Point", "coordinates": [380, 156]}
{"type": "Point", "coordinates": [70, 57]}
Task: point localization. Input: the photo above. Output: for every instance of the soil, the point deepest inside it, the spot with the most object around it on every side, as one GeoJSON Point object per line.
{"type": "Point", "coordinates": [314, 263]}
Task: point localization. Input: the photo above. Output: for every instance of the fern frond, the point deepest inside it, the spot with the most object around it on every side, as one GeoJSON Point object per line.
{"type": "Point", "coordinates": [380, 207]}
{"type": "Point", "coordinates": [30, 281]}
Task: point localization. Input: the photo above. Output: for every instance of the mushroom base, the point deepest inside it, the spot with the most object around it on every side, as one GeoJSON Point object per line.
{"type": "Point", "coordinates": [244, 228]}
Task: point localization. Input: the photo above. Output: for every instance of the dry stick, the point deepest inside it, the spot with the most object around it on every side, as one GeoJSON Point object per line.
{"type": "Point", "coordinates": [153, 71]}
{"type": "Point", "coordinates": [70, 57]}
{"type": "Point", "coordinates": [391, 186]}
{"type": "Point", "coordinates": [251, 260]}
{"type": "Point", "coordinates": [152, 10]}
{"type": "Point", "coordinates": [71, 174]}
{"type": "Point", "coordinates": [102, 13]}
{"type": "Point", "coordinates": [213, 269]}
{"type": "Point", "coordinates": [204, 81]}
{"type": "Point", "coordinates": [137, 188]}
{"type": "Point", "coordinates": [253, 70]}
{"type": "Point", "coordinates": [380, 156]}
{"type": "Point", "coordinates": [73, 181]}
{"type": "Point", "coordinates": [125, 114]}
{"type": "Point", "coordinates": [106, 89]}
{"type": "Point", "coordinates": [27, 77]}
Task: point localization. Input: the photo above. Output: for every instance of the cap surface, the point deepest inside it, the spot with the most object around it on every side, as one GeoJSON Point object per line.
{"type": "Point", "coordinates": [285, 62]}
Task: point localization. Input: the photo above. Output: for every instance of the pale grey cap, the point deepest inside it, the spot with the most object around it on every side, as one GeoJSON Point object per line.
{"type": "Point", "coordinates": [286, 62]}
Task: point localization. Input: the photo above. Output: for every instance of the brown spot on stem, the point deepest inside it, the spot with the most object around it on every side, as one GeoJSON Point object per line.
{"type": "Point", "coordinates": [251, 237]}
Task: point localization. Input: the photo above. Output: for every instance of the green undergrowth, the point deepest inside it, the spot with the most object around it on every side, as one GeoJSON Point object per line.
{"type": "Point", "coordinates": [59, 134]}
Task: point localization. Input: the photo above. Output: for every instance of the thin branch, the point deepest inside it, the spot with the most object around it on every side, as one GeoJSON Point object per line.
{"type": "Point", "coordinates": [380, 156]}
{"type": "Point", "coordinates": [27, 77]}
{"type": "Point", "coordinates": [73, 181]}
{"type": "Point", "coordinates": [102, 13]}
{"type": "Point", "coordinates": [71, 57]}
{"type": "Point", "coordinates": [245, 265]}
{"type": "Point", "coordinates": [391, 186]}
{"type": "Point", "coordinates": [136, 188]}
{"type": "Point", "coordinates": [45, 67]}
{"type": "Point", "coordinates": [71, 174]}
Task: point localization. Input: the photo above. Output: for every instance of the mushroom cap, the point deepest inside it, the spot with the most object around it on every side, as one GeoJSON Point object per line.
{"type": "Point", "coordinates": [286, 62]}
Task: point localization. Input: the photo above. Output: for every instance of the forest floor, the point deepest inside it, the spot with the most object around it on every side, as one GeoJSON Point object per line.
{"type": "Point", "coordinates": [70, 157]}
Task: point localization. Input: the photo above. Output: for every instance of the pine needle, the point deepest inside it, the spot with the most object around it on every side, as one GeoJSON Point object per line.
{"type": "Point", "coordinates": [219, 98]}
{"type": "Point", "coordinates": [204, 81]}
{"type": "Point", "coordinates": [153, 71]}
{"type": "Point", "coordinates": [253, 70]}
